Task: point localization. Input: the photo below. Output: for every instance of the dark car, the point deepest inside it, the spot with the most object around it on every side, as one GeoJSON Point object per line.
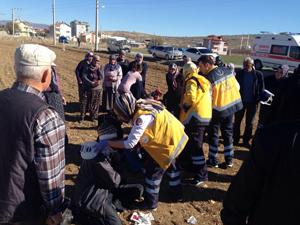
{"type": "Point", "coordinates": [150, 49]}
{"type": "Point", "coordinates": [63, 39]}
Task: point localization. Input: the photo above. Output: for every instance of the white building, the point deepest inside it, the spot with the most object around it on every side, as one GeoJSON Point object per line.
{"type": "Point", "coordinates": [79, 28]}
{"type": "Point", "coordinates": [61, 29]}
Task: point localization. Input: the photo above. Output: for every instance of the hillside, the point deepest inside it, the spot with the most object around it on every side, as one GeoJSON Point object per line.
{"type": "Point", "coordinates": [234, 41]}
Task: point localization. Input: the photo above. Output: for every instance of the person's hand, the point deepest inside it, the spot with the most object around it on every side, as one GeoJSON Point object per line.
{"type": "Point", "coordinates": [64, 101]}
{"type": "Point", "coordinates": [55, 219]}
{"type": "Point", "coordinates": [100, 145]}
{"type": "Point", "coordinates": [80, 82]}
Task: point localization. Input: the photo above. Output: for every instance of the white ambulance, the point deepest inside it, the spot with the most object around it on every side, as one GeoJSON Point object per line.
{"type": "Point", "coordinates": [272, 50]}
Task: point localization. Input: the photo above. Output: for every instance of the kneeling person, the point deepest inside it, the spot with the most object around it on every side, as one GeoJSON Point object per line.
{"type": "Point", "coordinates": [99, 191]}
{"type": "Point", "coordinates": [161, 135]}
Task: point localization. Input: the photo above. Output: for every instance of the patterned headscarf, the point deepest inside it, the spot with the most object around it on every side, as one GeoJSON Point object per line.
{"type": "Point", "coordinates": [150, 105]}
{"type": "Point", "coordinates": [285, 70]}
{"type": "Point", "coordinates": [87, 55]}
{"type": "Point", "coordinates": [173, 76]}
{"type": "Point", "coordinates": [125, 105]}
{"type": "Point", "coordinates": [138, 55]}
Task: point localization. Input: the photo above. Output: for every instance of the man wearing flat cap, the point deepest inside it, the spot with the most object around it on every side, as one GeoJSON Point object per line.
{"type": "Point", "coordinates": [32, 158]}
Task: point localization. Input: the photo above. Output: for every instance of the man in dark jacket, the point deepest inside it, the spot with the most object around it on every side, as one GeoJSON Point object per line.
{"type": "Point", "coordinates": [32, 144]}
{"type": "Point", "coordinates": [251, 88]}
{"type": "Point", "coordinates": [266, 188]}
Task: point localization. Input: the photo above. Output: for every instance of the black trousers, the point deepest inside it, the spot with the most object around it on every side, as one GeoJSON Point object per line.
{"type": "Point", "coordinates": [250, 108]}
{"type": "Point", "coordinates": [195, 143]}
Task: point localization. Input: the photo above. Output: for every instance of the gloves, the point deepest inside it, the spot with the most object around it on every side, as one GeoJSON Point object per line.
{"type": "Point", "coordinates": [100, 145]}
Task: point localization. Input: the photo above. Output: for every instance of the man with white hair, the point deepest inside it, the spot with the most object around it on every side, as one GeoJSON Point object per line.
{"type": "Point", "coordinates": [251, 88]}
{"type": "Point", "coordinates": [32, 144]}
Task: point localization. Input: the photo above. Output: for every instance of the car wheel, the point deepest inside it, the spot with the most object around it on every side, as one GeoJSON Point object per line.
{"type": "Point", "coordinates": [258, 65]}
{"type": "Point", "coordinates": [167, 57]}
{"type": "Point", "coordinates": [184, 57]}
{"type": "Point", "coordinates": [154, 55]}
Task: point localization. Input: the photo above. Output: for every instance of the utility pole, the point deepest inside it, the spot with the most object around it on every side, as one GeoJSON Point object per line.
{"type": "Point", "coordinates": [54, 25]}
{"type": "Point", "coordinates": [13, 22]}
{"type": "Point", "coordinates": [247, 41]}
{"type": "Point", "coordinates": [242, 41]}
{"type": "Point", "coordinates": [96, 41]}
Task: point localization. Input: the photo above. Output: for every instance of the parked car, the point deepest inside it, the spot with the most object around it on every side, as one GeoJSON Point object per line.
{"type": "Point", "coordinates": [63, 39]}
{"type": "Point", "coordinates": [151, 48]}
{"type": "Point", "coordinates": [166, 51]}
{"type": "Point", "coordinates": [181, 49]}
{"type": "Point", "coordinates": [196, 52]}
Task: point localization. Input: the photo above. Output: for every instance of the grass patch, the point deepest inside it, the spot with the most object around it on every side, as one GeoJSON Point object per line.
{"type": "Point", "coordinates": [236, 60]}
{"type": "Point", "coordinates": [141, 50]}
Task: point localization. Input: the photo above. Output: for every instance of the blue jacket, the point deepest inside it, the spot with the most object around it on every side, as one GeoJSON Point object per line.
{"type": "Point", "coordinates": [258, 84]}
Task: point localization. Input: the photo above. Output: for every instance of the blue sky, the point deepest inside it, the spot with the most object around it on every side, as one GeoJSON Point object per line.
{"type": "Point", "coordinates": [165, 17]}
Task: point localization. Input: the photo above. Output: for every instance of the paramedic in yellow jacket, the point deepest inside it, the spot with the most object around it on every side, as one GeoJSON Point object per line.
{"type": "Point", "coordinates": [161, 135]}
{"type": "Point", "coordinates": [226, 100]}
{"type": "Point", "coordinates": [195, 115]}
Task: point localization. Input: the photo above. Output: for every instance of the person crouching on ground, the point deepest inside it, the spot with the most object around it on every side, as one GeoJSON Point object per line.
{"type": "Point", "coordinates": [161, 135]}
{"type": "Point", "coordinates": [99, 188]}
{"type": "Point", "coordinates": [195, 114]}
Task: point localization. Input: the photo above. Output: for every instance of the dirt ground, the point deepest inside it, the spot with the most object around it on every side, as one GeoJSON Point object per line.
{"type": "Point", "coordinates": [203, 202]}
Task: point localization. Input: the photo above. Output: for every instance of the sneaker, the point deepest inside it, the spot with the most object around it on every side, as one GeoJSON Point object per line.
{"type": "Point", "coordinates": [176, 198]}
{"type": "Point", "coordinates": [229, 164]}
{"type": "Point", "coordinates": [143, 206]}
{"type": "Point", "coordinates": [210, 163]}
{"type": "Point", "coordinates": [81, 121]}
{"type": "Point", "coordinates": [195, 182]}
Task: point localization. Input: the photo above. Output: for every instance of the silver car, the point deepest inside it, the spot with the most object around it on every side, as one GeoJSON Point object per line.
{"type": "Point", "coordinates": [196, 52]}
{"type": "Point", "coordinates": [167, 52]}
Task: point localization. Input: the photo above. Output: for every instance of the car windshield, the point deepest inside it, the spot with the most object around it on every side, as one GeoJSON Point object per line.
{"type": "Point", "coordinates": [169, 48]}
{"type": "Point", "coordinates": [205, 50]}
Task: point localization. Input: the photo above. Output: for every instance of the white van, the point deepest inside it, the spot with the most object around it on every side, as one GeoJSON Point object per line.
{"type": "Point", "coordinates": [116, 44]}
{"type": "Point", "coordinates": [272, 50]}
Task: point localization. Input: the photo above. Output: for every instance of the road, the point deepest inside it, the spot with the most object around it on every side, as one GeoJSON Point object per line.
{"type": "Point", "coordinates": [148, 57]}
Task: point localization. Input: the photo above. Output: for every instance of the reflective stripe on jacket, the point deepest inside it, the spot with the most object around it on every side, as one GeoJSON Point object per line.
{"type": "Point", "coordinates": [196, 100]}
{"type": "Point", "coordinates": [164, 139]}
{"type": "Point", "coordinates": [226, 96]}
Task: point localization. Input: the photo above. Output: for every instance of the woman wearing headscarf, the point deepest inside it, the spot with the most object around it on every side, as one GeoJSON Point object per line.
{"type": "Point", "coordinates": [135, 89]}
{"type": "Point", "coordinates": [91, 89]}
{"type": "Point", "coordinates": [175, 81]}
{"type": "Point", "coordinates": [161, 135]}
{"type": "Point", "coordinates": [123, 62]}
{"type": "Point", "coordinates": [195, 115]}
{"type": "Point", "coordinates": [132, 77]}
{"type": "Point", "coordinates": [271, 85]}
{"type": "Point", "coordinates": [80, 68]}
{"type": "Point", "coordinates": [113, 75]}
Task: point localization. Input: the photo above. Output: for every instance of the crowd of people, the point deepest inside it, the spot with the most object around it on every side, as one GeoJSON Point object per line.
{"type": "Point", "coordinates": [202, 97]}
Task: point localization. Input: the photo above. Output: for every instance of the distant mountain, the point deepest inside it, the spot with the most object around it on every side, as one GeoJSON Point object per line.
{"type": "Point", "coordinates": [36, 25]}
